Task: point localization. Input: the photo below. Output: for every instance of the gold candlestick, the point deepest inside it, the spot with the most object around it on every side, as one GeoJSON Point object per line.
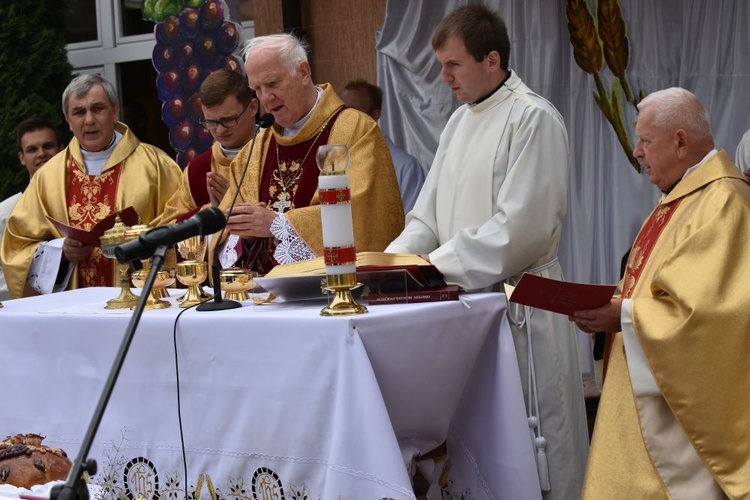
{"type": "Point", "coordinates": [339, 253]}
{"type": "Point", "coordinates": [343, 302]}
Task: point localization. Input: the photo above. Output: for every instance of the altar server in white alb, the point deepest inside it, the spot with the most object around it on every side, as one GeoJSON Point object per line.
{"type": "Point", "coordinates": [491, 208]}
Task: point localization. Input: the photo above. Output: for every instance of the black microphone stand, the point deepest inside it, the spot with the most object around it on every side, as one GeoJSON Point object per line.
{"type": "Point", "coordinates": [218, 303]}
{"type": "Point", "coordinates": [75, 486]}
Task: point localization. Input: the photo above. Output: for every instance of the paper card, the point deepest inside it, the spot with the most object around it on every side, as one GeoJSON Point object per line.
{"type": "Point", "coordinates": [128, 216]}
{"type": "Point", "coordinates": [557, 296]}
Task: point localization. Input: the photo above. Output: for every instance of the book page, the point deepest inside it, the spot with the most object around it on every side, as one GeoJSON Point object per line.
{"type": "Point", "coordinates": [365, 260]}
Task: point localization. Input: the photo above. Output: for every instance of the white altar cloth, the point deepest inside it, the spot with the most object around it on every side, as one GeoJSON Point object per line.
{"type": "Point", "coordinates": [276, 401]}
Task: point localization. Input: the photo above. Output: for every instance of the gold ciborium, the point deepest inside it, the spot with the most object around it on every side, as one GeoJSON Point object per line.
{"type": "Point", "coordinates": [235, 282]}
{"type": "Point", "coordinates": [112, 237]}
{"type": "Point", "coordinates": [134, 232]}
{"type": "Point", "coordinates": [193, 252]}
{"type": "Point", "coordinates": [164, 277]}
{"type": "Point", "coordinates": [192, 273]}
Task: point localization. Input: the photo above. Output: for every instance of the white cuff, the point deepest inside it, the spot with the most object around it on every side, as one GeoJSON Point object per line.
{"type": "Point", "coordinates": [45, 266]}
{"type": "Point", "coordinates": [290, 247]}
{"type": "Point", "coordinates": [228, 253]}
{"type": "Point", "coordinates": [641, 376]}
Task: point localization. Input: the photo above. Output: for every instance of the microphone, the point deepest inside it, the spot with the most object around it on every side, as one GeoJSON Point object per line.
{"type": "Point", "coordinates": [204, 222]}
{"type": "Point", "coordinates": [219, 304]}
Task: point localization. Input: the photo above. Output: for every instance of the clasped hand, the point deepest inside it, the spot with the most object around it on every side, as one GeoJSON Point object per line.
{"type": "Point", "coordinates": [602, 319]}
{"type": "Point", "coordinates": [217, 186]}
{"type": "Point", "coordinates": [251, 220]}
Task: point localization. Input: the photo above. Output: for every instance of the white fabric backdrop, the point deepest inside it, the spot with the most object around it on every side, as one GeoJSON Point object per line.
{"type": "Point", "coordinates": [701, 45]}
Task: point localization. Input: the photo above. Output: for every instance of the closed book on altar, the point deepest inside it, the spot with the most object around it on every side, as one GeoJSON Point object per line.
{"type": "Point", "coordinates": [427, 294]}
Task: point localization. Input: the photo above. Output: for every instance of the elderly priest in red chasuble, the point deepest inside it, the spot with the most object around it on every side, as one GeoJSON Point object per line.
{"type": "Point", "coordinates": [277, 217]}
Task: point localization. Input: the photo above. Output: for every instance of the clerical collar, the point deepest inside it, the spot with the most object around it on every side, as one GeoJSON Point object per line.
{"type": "Point", "coordinates": [493, 91]}
{"type": "Point", "coordinates": [111, 143]}
{"type": "Point", "coordinates": [690, 170]}
{"type": "Point", "coordinates": [95, 160]}
{"type": "Point", "coordinates": [287, 132]}
{"type": "Point", "coordinates": [230, 152]}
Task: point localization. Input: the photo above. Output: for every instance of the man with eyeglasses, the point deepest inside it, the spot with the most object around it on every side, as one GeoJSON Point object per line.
{"type": "Point", "coordinates": [229, 111]}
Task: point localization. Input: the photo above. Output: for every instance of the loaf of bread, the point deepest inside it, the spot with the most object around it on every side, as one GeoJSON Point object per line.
{"type": "Point", "coordinates": [25, 461]}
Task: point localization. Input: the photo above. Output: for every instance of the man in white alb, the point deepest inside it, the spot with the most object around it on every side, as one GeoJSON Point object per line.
{"type": "Point", "coordinates": [491, 209]}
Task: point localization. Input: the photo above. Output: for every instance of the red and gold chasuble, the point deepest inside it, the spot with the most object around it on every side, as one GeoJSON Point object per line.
{"type": "Point", "coordinates": [644, 244]}
{"type": "Point", "coordinates": [90, 199]}
{"type": "Point", "coordinates": [290, 179]}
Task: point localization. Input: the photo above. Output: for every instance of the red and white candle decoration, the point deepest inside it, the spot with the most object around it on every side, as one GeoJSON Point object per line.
{"type": "Point", "coordinates": [339, 253]}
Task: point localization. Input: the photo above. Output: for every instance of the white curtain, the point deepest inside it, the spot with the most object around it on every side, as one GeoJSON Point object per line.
{"type": "Point", "coordinates": [701, 45]}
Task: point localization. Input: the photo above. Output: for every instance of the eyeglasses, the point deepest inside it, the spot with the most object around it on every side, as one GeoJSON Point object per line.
{"type": "Point", "coordinates": [224, 122]}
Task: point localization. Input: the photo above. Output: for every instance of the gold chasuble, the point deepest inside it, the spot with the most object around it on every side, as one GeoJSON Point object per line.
{"type": "Point", "coordinates": [687, 278]}
{"type": "Point", "coordinates": [283, 173]}
{"type": "Point", "coordinates": [146, 179]}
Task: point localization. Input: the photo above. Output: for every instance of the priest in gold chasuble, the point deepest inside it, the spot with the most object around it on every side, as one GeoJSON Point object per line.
{"type": "Point", "coordinates": [277, 215]}
{"type": "Point", "coordinates": [674, 415]}
{"type": "Point", "coordinates": [104, 169]}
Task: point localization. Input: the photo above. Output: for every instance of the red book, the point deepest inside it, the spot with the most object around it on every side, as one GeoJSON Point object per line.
{"type": "Point", "coordinates": [128, 216]}
{"type": "Point", "coordinates": [557, 296]}
{"type": "Point", "coordinates": [427, 294]}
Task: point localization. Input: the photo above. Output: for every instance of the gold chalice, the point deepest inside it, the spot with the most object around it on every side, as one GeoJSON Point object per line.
{"type": "Point", "coordinates": [132, 233]}
{"type": "Point", "coordinates": [192, 273]}
{"type": "Point", "coordinates": [235, 282]}
{"type": "Point", "coordinates": [193, 248]}
{"type": "Point", "coordinates": [110, 239]}
{"type": "Point", "coordinates": [164, 277]}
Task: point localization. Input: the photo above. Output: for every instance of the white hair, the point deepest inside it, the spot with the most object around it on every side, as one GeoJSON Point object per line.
{"type": "Point", "coordinates": [677, 108]}
{"type": "Point", "coordinates": [292, 50]}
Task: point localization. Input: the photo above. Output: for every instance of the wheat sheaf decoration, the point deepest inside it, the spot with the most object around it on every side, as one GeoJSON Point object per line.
{"type": "Point", "coordinates": [606, 39]}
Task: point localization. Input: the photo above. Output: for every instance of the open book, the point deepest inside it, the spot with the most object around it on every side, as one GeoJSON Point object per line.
{"type": "Point", "coordinates": [128, 216]}
{"type": "Point", "coordinates": [382, 272]}
{"type": "Point", "coordinates": [419, 272]}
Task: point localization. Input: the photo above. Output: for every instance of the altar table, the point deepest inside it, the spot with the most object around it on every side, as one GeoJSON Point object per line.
{"type": "Point", "coordinates": [276, 401]}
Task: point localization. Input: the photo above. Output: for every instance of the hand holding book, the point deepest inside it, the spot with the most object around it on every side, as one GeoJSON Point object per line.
{"type": "Point", "coordinates": [90, 237]}
{"type": "Point", "coordinates": [557, 296]}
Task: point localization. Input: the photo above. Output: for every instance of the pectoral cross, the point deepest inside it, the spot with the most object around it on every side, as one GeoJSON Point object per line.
{"type": "Point", "coordinates": [283, 203]}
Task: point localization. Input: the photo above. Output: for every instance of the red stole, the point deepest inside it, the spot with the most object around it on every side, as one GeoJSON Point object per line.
{"type": "Point", "coordinates": [197, 170]}
{"type": "Point", "coordinates": [639, 254]}
{"type": "Point", "coordinates": [296, 169]}
{"type": "Point", "coordinates": [90, 199]}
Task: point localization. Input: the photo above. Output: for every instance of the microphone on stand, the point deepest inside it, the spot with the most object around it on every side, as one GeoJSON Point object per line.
{"type": "Point", "coordinates": [204, 222]}
{"type": "Point", "coordinates": [219, 304]}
